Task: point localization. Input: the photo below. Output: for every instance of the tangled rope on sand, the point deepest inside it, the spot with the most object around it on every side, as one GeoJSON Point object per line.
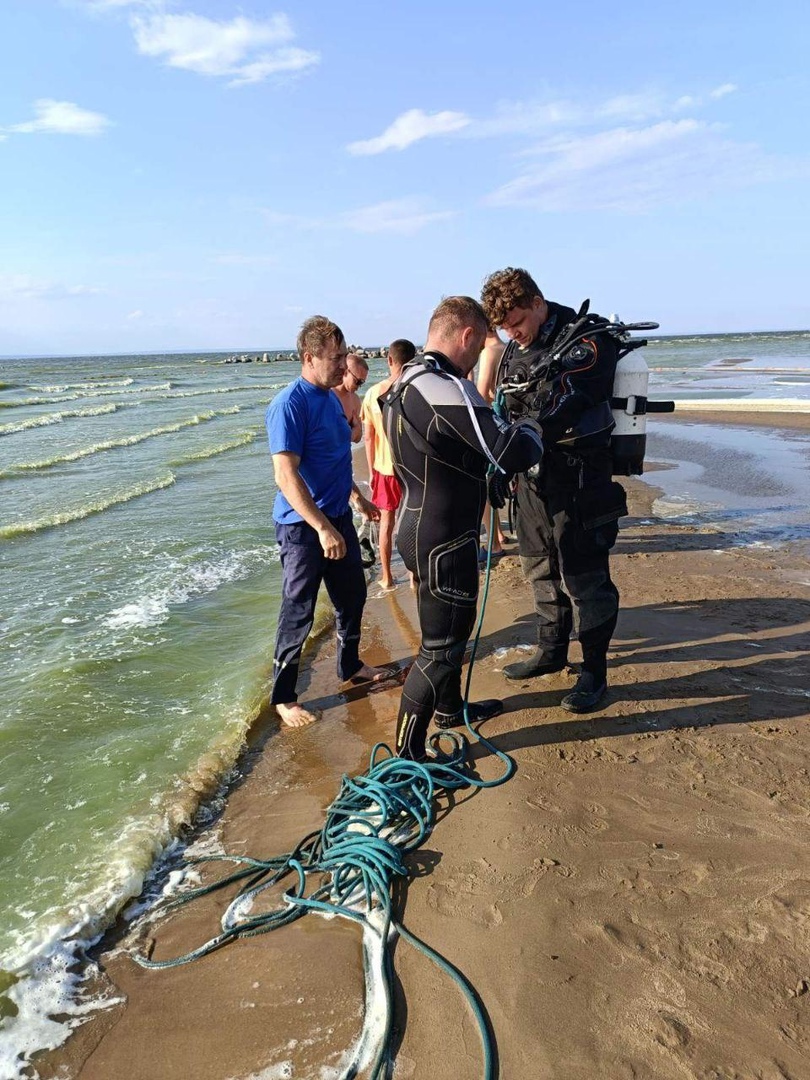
{"type": "Point", "coordinates": [348, 868]}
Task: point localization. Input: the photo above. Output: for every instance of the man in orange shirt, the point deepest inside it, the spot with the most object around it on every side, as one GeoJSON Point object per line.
{"type": "Point", "coordinates": [385, 489]}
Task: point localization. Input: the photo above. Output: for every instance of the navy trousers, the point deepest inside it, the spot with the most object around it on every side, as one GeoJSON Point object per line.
{"type": "Point", "coordinates": [304, 566]}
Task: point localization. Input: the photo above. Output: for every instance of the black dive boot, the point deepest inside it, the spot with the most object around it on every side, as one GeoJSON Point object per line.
{"type": "Point", "coordinates": [587, 693]}
{"type": "Point", "coordinates": [476, 710]}
{"type": "Point", "coordinates": [545, 661]}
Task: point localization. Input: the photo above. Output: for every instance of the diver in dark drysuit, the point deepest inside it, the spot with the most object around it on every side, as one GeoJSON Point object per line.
{"type": "Point", "coordinates": [444, 437]}
{"type": "Point", "coordinates": [567, 512]}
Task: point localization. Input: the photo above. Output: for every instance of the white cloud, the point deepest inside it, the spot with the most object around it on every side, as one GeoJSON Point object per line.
{"type": "Point", "coordinates": [633, 170]}
{"type": "Point", "coordinates": [635, 107]}
{"type": "Point", "coordinates": [246, 50]}
{"type": "Point", "coordinates": [135, 315]}
{"type": "Point", "coordinates": [106, 5]}
{"type": "Point", "coordinates": [27, 287]}
{"type": "Point", "coordinates": [403, 216]}
{"type": "Point", "coordinates": [411, 127]}
{"type": "Point", "coordinates": [63, 118]}
{"type": "Point", "coordinates": [531, 118]}
{"type": "Point", "coordinates": [525, 118]}
{"type": "Point", "coordinates": [109, 5]}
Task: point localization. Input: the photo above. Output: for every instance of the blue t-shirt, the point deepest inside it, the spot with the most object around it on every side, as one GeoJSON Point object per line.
{"type": "Point", "coordinates": [310, 422]}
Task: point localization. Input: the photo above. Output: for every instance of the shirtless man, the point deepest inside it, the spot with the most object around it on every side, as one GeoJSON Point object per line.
{"type": "Point", "coordinates": [488, 361]}
{"type": "Point", "coordinates": [355, 375]}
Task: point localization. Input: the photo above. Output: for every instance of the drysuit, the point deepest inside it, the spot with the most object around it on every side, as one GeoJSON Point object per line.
{"type": "Point", "coordinates": [444, 437]}
{"type": "Point", "coordinates": [567, 512]}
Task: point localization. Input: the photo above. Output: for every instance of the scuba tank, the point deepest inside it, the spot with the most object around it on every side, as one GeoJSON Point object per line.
{"type": "Point", "coordinates": [629, 401]}
{"type": "Point", "coordinates": [629, 404]}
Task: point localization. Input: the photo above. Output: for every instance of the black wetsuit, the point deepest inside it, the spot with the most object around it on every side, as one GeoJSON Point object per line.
{"type": "Point", "coordinates": [431, 415]}
{"type": "Point", "coordinates": [567, 514]}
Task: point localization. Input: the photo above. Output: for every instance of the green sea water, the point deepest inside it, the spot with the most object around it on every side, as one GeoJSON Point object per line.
{"type": "Point", "coordinates": [140, 587]}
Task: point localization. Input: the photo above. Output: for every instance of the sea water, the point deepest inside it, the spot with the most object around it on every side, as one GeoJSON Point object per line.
{"type": "Point", "coordinates": [140, 585]}
{"type": "Point", "coordinates": [750, 485]}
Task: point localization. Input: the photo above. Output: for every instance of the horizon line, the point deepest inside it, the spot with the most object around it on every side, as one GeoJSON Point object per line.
{"type": "Point", "coordinates": [292, 348]}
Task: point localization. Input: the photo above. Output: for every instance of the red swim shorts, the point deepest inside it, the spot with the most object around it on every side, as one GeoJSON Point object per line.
{"type": "Point", "coordinates": [386, 493]}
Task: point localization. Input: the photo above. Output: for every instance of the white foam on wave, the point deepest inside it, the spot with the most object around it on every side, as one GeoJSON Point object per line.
{"type": "Point", "coordinates": [187, 583]}
{"type": "Point", "coordinates": [24, 528]}
{"type": "Point", "coordinates": [244, 439]}
{"type": "Point", "coordinates": [110, 444]}
{"type": "Point", "coordinates": [78, 394]}
{"type": "Point", "coordinates": [224, 390]}
{"type": "Point", "coordinates": [50, 963]}
{"type": "Point", "coordinates": [83, 385]}
{"type": "Point", "coordinates": [55, 418]}
{"type": "Point", "coordinates": [50, 988]}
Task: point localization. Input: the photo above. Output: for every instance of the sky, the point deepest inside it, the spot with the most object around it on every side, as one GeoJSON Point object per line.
{"type": "Point", "coordinates": [200, 175]}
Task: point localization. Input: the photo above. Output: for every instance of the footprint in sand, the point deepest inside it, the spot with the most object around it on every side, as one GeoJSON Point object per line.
{"type": "Point", "coordinates": [461, 897]}
{"type": "Point", "coordinates": [477, 891]}
{"type": "Point", "coordinates": [670, 1032]}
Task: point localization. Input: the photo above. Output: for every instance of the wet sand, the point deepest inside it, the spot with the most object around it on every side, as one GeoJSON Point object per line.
{"type": "Point", "coordinates": [635, 902]}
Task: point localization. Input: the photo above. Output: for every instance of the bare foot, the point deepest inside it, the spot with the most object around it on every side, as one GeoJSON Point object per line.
{"type": "Point", "coordinates": [389, 584]}
{"type": "Point", "coordinates": [295, 715]}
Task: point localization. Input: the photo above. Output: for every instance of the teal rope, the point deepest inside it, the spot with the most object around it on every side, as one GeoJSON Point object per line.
{"type": "Point", "coordinates": [349, 866]}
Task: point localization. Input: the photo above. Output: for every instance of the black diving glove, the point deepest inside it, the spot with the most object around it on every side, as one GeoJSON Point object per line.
{"type": "Point", "coordinates": [498, 489]}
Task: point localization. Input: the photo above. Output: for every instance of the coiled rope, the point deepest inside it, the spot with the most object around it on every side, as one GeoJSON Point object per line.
{"type": "Point", "coordinates": [348, 869]}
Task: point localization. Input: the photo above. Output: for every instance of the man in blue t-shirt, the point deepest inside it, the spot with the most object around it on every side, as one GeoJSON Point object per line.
{"type": "Point", "coordinates": [310, 441]}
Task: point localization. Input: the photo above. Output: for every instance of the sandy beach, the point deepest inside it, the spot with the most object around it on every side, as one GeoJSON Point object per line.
{"type": "Point", "coordinates": [634, 903]}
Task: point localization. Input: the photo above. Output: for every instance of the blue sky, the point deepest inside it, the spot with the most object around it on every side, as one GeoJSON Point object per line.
{"type": "Point", "coordinates": [200, 175]}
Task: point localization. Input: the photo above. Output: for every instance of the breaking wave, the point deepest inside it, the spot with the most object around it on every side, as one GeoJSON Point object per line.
{"type": "Point", "coordinates": [54, 418]}
{"type": "Point", "coordinates": [77, 395]}
{"type": "Point", "coordinates": [109, 444]}
{"type": "Point", "coordinates": [224, 390]}
{"type": "Point", "coordinates": [212, 451]}
{"type": "Point", "coordinates": [25, 528]}
{"type": "Point", "coordinates": [60, 389]}
{"type": "Point", "coordinates": [187, 583]}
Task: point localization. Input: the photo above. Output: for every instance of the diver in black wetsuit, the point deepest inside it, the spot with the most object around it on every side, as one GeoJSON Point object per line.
{"type": "Point", "coordinates": [559, 368]}
{"type": "Point", "coordinates": [444, 437]}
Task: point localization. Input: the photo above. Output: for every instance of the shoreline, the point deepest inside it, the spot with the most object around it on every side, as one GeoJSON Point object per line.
{"type": "Point", "coordinates": [728, 414]}
{"type": "Point", "coordinates": [479, 898]}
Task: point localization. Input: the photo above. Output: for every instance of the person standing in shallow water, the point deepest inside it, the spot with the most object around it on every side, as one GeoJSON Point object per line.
{"type": "Point", "coordinates": [567, 514]}
{"type": "Point", "coordinates": [312, 462]}
{"type": "Point", "coordinates": [386, 492]}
